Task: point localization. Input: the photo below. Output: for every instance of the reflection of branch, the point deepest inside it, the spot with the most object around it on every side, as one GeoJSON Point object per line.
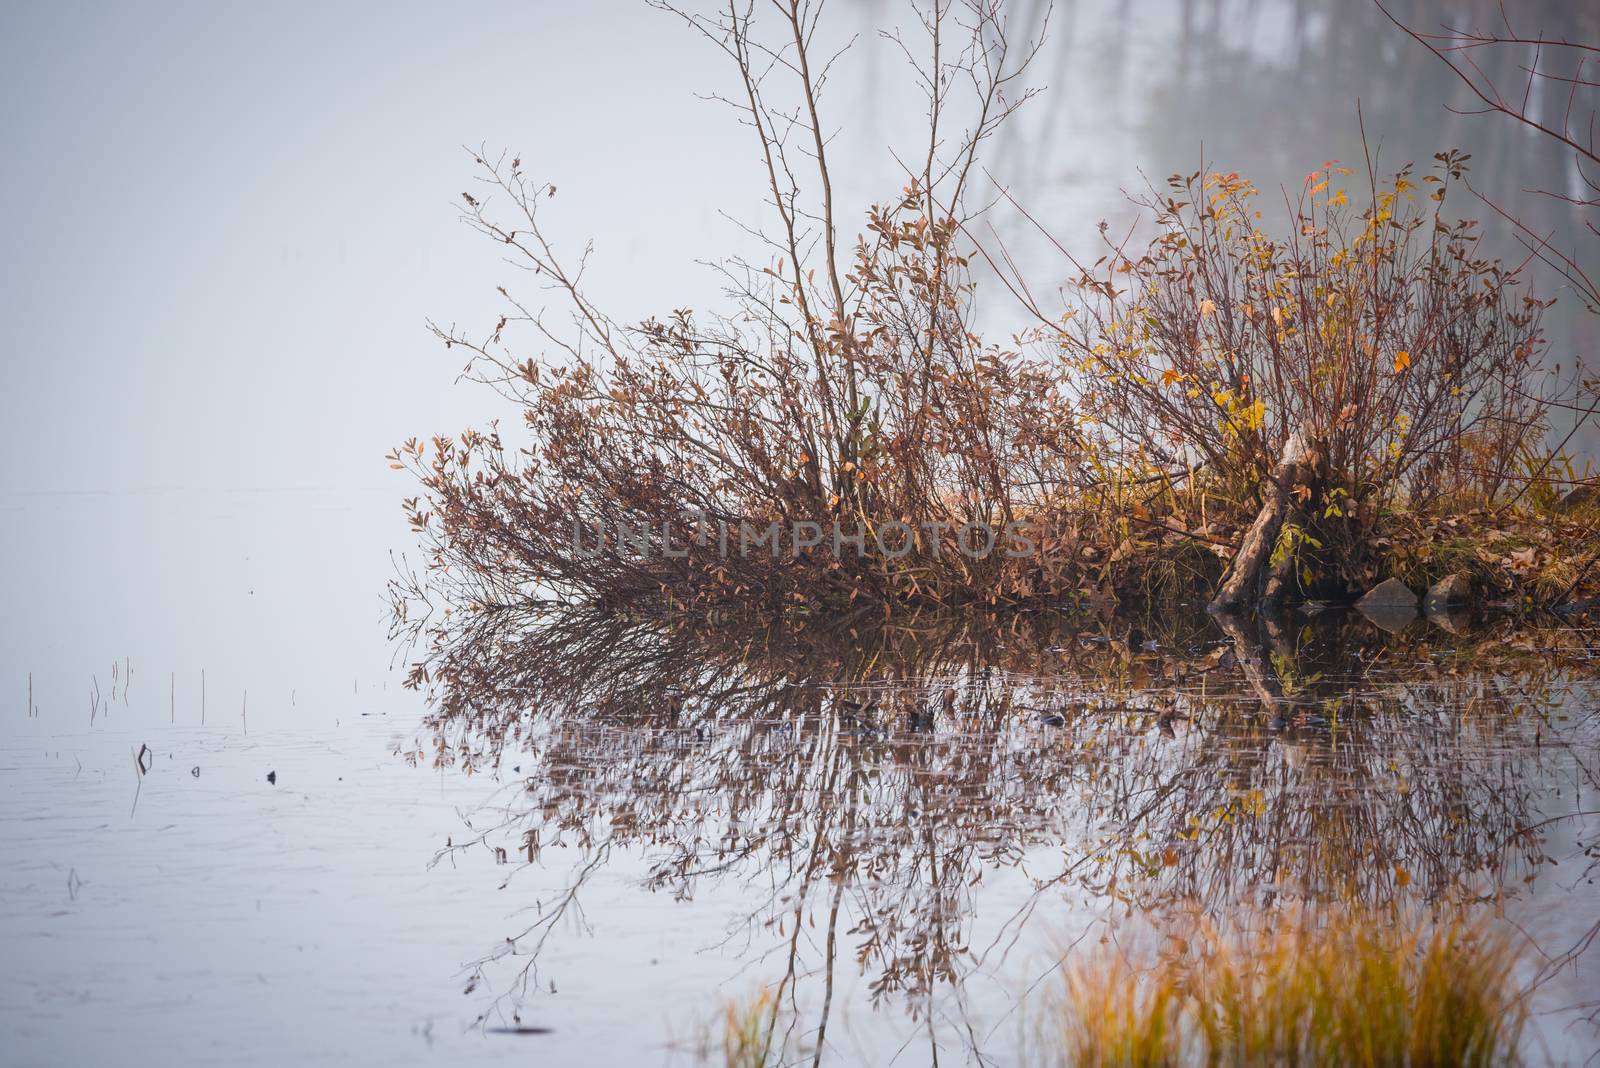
{"type": "Point", "coordinates": [528, 975]}
{"type": "Point", "coordinates": [830, 956]}
{"type": "Point", "coordinates": [1554, 965]}
{"type": "Point", "coordinates": [897, 767]}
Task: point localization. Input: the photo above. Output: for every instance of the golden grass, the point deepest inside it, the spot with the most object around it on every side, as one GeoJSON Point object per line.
{"type": "Point", "coordinates": [748, 1039]}
{"type": "Point", "coordinates": [1347, 989]}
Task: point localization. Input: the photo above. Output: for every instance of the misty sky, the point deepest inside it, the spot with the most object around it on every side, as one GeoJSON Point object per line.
{"type": "Point", "coordinates": [227, 224]}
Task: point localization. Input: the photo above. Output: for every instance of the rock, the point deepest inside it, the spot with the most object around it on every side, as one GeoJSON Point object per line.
{"type": "Point", "coordinates": [1583, 495]}
{"type": "Point", "coordinates": [1448, 603]}
{"type": "Point", "coordinates": [1452, 590]}
{"type": "Point", "coordinates": [1390, 593]}
{"type": "Point", "coordinates": [1391, 605]}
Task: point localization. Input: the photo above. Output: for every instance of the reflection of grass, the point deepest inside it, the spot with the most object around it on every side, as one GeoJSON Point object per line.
{"type": "Point", "coordinates": [1347, 990]}
{"type": "Point", "coordinates": [748, 1032]}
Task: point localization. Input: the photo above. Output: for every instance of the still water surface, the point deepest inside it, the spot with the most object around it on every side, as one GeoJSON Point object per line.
{"type": "Point", "coordinates": [608, 831]}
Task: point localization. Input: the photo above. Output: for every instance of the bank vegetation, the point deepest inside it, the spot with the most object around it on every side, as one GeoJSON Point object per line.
{"type": "Point", "coordinates": [1242, 405]}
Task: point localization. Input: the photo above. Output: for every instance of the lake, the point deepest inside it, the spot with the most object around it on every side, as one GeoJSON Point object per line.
{"type": "Point", "coordinates": [595, 838]}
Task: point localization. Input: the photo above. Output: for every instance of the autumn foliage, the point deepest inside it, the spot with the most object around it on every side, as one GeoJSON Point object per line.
{"type": "Point", "coordinates": [1135, 428]}
{"type": "Point", "coordinates": [1376, 327]}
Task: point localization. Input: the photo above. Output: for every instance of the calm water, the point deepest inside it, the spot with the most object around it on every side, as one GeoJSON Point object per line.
{"type": "Point", "coordinates": [612, 830]}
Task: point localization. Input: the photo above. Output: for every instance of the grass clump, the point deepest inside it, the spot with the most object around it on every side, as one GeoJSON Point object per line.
{"type": "Point", "coordinates": [1346, 989]}
{"type": "Point", "coordinates": [748, 1039]}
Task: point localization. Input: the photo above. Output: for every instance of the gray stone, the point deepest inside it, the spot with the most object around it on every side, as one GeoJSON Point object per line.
{"type": "Point", "coordinates": [1451, 591]}
{"type": "Point", "coordinates": [1583, 495]}
{"type": "Point", "coordinates": [1390, 593]}
{"type": "Point", "coordinates": [1390, 605]}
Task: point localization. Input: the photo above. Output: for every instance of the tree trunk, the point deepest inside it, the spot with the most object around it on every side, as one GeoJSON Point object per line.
{"type": "Point", "coordinates": [1244, 580]}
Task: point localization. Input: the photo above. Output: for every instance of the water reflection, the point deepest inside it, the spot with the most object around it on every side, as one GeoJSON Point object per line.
{"type": "Point", "coordinates": [855, 789]}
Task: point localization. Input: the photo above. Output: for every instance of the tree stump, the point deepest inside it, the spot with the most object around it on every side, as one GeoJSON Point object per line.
{"type": "Point", "coordinates": [1298, 463]}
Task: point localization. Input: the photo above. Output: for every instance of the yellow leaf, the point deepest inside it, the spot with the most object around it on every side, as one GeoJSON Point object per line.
{"type": "Point", "coordinates": [1208, 307]}
{"type": "Point", "coordinates": [1402, 360]}
{"type": "Point", "coordinates": [1401, 876]}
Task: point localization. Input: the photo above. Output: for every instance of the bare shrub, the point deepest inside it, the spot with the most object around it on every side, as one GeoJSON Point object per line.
{"type": "Point", "coordinates": [842, 386]}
